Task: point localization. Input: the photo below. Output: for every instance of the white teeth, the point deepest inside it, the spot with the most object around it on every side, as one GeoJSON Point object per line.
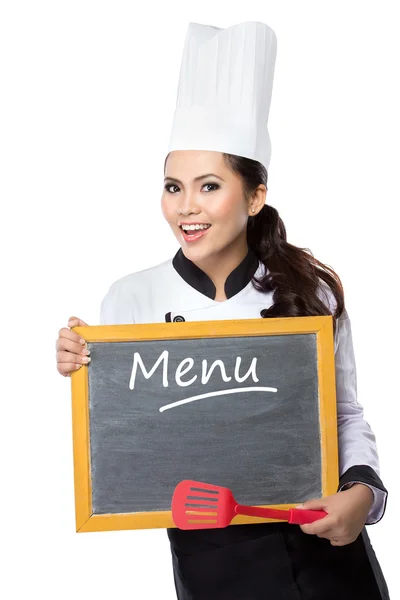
{"type": "Point", "coordinates": [195, 227]}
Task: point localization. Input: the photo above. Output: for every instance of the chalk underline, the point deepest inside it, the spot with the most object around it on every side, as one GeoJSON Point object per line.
{"type": "Point", "coordinates": [220, 393]}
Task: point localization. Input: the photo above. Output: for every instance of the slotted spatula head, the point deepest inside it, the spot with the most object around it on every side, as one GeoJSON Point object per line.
{"type": "Point", "coordinates": [197, 505]}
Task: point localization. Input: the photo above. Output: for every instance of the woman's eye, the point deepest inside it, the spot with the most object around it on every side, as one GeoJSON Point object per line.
{"type": "Point", "coordinates": [168, 187]}
{"type": "Point", "coordinates": [213, 185]}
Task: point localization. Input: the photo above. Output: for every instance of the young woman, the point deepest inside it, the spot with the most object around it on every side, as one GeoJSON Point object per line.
{"type": "Point", "coordinates": [235, 262]}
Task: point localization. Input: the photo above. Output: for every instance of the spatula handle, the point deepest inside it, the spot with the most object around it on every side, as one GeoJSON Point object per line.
{"type": "Point", "coordinates": [300, 516]}
{"type": "Point", "coordinates": [260, 511]}
{"type": "Point", "coordinates": [295, 516]}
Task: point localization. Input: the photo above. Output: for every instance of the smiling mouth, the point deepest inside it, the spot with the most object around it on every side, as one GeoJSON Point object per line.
{"type": "Point", "coordinates": [194, 231]}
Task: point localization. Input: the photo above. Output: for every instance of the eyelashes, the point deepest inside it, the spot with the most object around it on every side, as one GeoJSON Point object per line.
{"type": "Point", "coordinates": [167, 187]}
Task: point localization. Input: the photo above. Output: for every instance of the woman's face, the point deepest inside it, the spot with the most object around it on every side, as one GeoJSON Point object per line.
{"type": "Point", "coordinates": [200, 189]}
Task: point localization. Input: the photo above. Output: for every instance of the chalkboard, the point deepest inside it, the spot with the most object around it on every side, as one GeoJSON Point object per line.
{"type": "Point", "coordinates": [246, 404]}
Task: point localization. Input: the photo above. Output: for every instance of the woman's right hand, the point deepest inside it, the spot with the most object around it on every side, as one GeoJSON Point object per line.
{"type": "Point", "coordinates": [71, 349]}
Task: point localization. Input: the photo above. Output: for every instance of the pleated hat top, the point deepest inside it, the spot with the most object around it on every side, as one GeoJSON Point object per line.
{"type": "Point", "coordinates": [224, 90]}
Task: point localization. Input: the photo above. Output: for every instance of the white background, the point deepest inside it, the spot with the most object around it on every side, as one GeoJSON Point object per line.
{"type": "Point", "coordinates": [88, 91]}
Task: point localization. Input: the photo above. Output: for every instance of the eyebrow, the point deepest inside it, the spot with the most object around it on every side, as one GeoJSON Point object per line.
{"type": "Point", "coordinates": [196, 178]}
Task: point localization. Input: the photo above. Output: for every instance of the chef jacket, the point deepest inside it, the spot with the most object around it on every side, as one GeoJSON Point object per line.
{"type": "Point", "coordinates": [177, 290]}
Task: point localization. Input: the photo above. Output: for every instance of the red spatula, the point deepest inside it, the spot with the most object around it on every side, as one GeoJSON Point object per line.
{"type": "Point", "coordinates": [198, 505]}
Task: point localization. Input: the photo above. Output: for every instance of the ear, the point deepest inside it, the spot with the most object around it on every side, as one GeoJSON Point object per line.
{"type": "Point", "coordinates": [257, 200]}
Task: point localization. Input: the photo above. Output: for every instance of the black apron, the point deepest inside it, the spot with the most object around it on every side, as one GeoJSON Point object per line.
{"type": "Point", "coordinates": [272, 561]}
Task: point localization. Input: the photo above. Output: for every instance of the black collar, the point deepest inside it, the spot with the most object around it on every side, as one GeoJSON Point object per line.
{"type": "Point", "coordinates": [196, 278]}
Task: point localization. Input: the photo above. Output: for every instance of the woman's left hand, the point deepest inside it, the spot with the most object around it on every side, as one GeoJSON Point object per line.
{"type": "Point", "coordinates": [347, 513]}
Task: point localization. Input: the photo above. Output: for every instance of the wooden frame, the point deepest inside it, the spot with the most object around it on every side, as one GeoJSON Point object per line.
{"type": "Point", "coordinates": [322, 326]}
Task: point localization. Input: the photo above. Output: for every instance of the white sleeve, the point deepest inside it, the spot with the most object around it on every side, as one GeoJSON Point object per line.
{"type": "Point", "coordinates": [358, 456]}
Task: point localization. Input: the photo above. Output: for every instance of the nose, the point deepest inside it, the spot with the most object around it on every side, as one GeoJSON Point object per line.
{"type": "Point", "coordinates": [187, 204]}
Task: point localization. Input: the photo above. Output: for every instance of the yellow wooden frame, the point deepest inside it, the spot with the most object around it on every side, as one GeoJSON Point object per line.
{"type": "Point", "coordinates": [323, 328]}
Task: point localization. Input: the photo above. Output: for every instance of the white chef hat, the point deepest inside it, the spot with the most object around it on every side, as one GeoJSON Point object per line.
{"type": "Point", "coordinates": [224, 91]}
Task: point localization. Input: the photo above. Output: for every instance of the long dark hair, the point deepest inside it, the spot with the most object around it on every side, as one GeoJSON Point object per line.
{"type": "Point", "coordinates": [294, 274]}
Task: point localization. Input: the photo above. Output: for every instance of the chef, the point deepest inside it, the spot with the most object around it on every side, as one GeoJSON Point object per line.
{"type": "Point", "coordinates": [214, 200]}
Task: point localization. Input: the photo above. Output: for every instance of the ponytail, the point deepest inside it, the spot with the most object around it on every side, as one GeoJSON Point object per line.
{"type": "Point", "coordinates": [292, 274]}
